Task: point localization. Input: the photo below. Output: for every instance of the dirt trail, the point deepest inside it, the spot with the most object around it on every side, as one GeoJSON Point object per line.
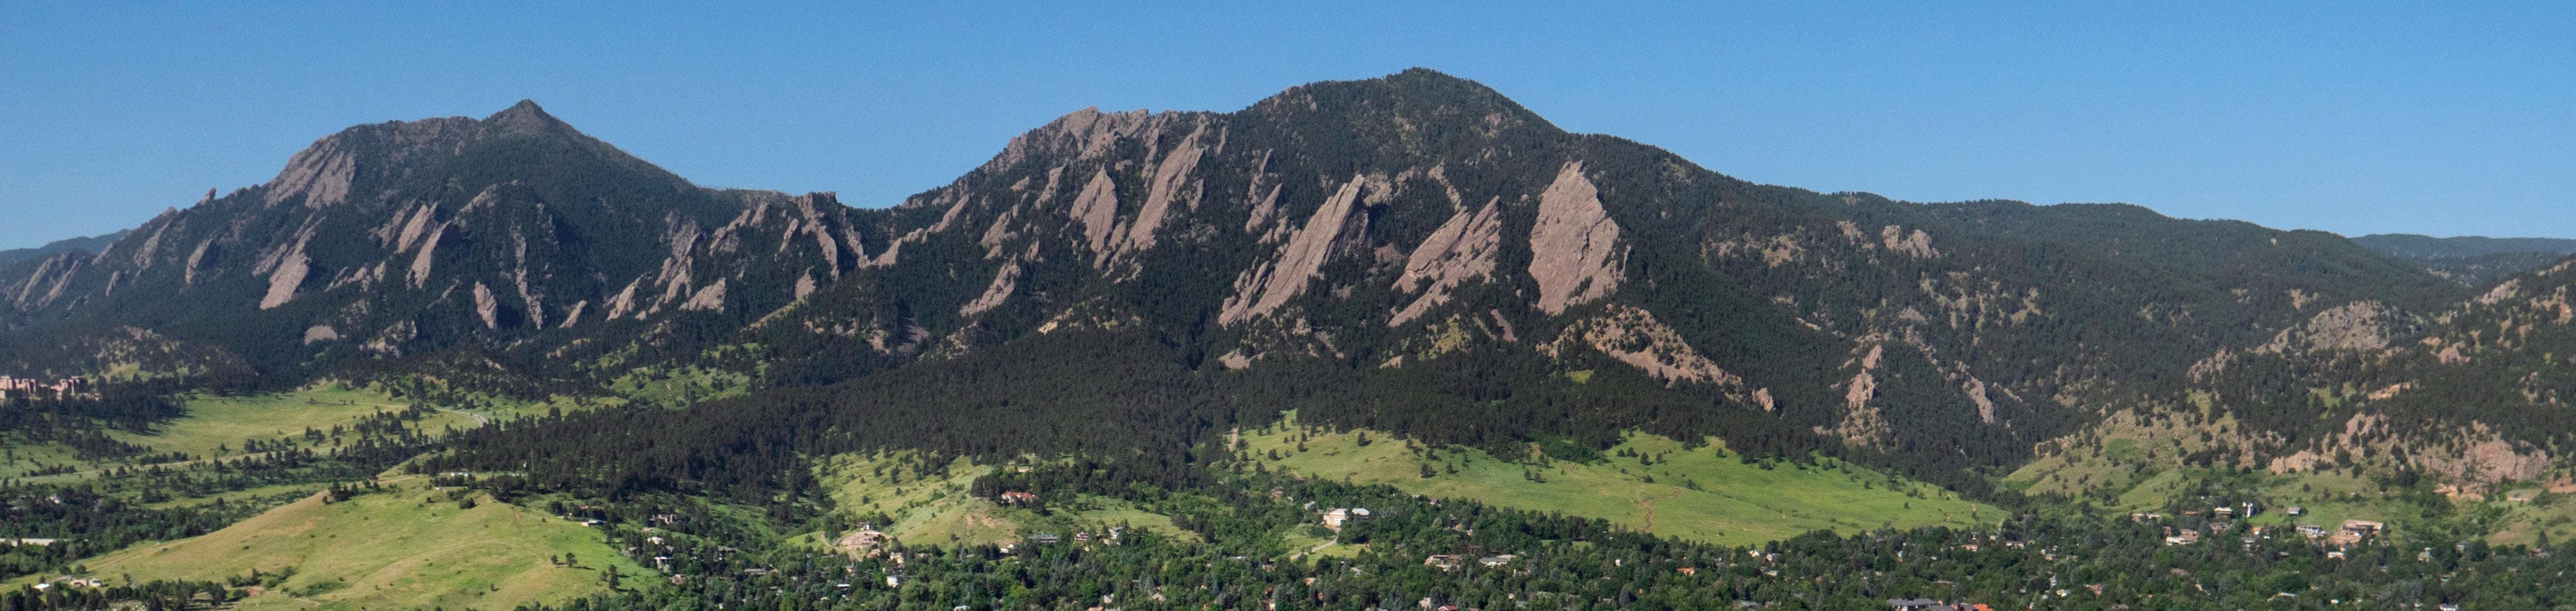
{"type": "Point", "coordinates": [1648, 503]}
{"type": "Point", "coordinates": [479, 420]}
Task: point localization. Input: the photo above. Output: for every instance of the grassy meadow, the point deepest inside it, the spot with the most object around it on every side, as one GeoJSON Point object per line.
{"type": "Point", "coordinates": [1688, 493]}
{"type": "Point", "coordinates": [404, 547]}
{"type": "Point", "coordinates": [934, 508]}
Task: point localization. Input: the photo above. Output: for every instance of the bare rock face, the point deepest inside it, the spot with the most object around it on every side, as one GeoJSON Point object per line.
{"type": "Point", "coordinates": [1862, 422]}
{"type": "Point", "coordinates": [320, 174]}
{"type": "Point", "coordinates": [487, 307]}
{"type": "Point", "coordinates": [994, 294]}
{"type": "Point", "coordinates": [287, 274]}
{"type": "Point", "coordinates": [707, 299]}
{"type": "Point", "coordinates": [1976, 390]}
{"type": "Point", "coordinates": [50, 277]}
{"type": "Point", "coordinates": [283, 282]}
{"type": "Point", "coordinates": [1097, 209]}
{"type": "Point", "coordinates": [1264, 288]}
{"type": "Point", "coordinates": [1462, 249]}
{"type": "Point", "coordinates": [422, 260]}
{"type": "Point", "coordinates": [1167, 183]}
{"type": "Point", "coordinates": [1574, 251]}
{"type": "Point", "coordinates": [197, 260]}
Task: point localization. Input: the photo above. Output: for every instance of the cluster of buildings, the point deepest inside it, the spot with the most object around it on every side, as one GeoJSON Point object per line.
{"type": "Point", "coordinates": [2221, 520]}
{"type": "Point", "coordinates": [65, 388]}
{"type": "Point", "coordinates": [1448, 562]}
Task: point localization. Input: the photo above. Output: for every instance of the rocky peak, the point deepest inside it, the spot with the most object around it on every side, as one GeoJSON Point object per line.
{"type": "Point", "coordinates": [525, 117]}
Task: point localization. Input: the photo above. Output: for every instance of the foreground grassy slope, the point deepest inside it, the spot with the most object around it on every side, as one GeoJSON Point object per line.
{"type": "Point", "coordinates": [1689, 493]}
{"type": "Point", "coordinates": [391, 549]}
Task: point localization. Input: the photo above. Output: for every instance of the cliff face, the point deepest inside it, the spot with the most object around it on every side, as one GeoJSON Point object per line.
{"type": "Point", "coordinates": [1397, 226]}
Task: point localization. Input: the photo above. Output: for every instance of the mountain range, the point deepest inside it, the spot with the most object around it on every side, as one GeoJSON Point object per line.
{"type": "Point", "coordinates": [1414, 253]}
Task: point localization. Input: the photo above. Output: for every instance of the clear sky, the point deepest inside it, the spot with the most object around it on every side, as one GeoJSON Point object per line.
{"type": "Point", "coordinates": [2353, 117]}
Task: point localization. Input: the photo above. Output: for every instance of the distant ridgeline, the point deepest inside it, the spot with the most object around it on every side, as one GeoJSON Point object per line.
{"type": "Point", "coordinates": [1415, 254]}
{"type": "Point", "coordinates": [90, 244]}
{"type": "Point", "coordinates": [2471, 260]}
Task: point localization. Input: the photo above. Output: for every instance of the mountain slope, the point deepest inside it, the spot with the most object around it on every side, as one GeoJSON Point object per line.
{"type": "Point", "coordinates": [406, 238]}
{"type": "Point", "coordinates": [1455, 253]}
{"type": "Point", "coordinates": [1414, 253]}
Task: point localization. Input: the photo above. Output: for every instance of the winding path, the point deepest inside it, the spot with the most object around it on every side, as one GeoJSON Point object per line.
{"type": "Point", "coordinates": [1649, 504]}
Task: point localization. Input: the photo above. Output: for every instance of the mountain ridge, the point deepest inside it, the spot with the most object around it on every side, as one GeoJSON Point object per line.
{"type": "Point", "coordinates": [1446, 259]}
{"type": "Point", "coordinates": [2471, 260]}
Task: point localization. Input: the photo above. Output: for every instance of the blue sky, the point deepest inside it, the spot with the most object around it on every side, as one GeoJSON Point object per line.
{"type": "Point", "coordinates": [2353, 117]}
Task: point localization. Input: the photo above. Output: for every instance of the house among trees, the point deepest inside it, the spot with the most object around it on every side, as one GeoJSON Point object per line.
{"type": "Point", "coordinates": [1334, 517]}
{"type": "Point", "coordinates": [1018, 498]}
{"type": "Point", "coordinates": [2356, 530]}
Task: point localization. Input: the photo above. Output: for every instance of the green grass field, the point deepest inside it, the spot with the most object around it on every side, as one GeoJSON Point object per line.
{"type": "Point", "coordinates": [224, 422]}
{"type": "Point", "coordinates": [935, 509]}
{"type": "Point", "coordinates": [1689, 493]}
{"type": "Point", "coordinates": [17, 460]}
{"type": "Point", "coordinates": [216, 427]}
{"type": "Point", "coordinates": [388, 550]}
{"type": "Point", "coordinates": [928, 508]}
